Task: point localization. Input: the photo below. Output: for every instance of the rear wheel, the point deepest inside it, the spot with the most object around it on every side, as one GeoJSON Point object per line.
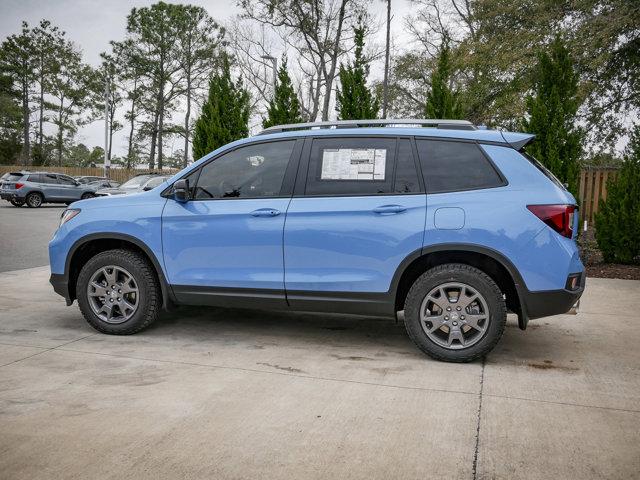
{"type": "Point", "coordinates": [455, 313]}
{"type": "Point", "coordinates": [34, 200]}
{"type": "Point", "coordinates": [17, 203]}
{"type": "Point", "coordinates": [118, 292]}
{"type": "Point", "coordinates": [87, 195]}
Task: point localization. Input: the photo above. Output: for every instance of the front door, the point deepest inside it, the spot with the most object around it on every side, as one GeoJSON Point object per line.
{"type": "Point", "coordinates": [360, 213]}
{"type": "Point", "coordinates": [226, 242]}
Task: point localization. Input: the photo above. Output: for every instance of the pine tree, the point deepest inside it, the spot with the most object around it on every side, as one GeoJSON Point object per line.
{"type": "Point", "coordinates": [354, 100]}
{"type": "Point", "coordinates": [442, 100]}
{"type": "Point", "coordinates": [552, 114]}
{"type": "Point", "coordinates": [225, 115]}
{"type": "Point", "coordinates": [618, 220]}
{"type": "Point", "coordinates": [284, 107]}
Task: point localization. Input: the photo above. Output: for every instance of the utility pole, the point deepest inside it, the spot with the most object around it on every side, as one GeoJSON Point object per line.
{"type": "Point", "coordinates": [385, 83]}
{"type": "Point", "coordinates": [107, 160]}
{"type": "Point", "coordinates": [274, 65]}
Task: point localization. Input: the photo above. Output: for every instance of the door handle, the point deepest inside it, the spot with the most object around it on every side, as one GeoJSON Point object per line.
{"type": "Point", "coordinates": [389, 209]}
{"type": "Point", "coordinates": [265, 212]}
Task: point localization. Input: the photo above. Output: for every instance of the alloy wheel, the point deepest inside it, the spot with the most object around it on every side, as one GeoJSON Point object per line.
{"type": "Point", "coordinates": [113, 294]}
{"type": "Point", "coordinates": [454, 315]}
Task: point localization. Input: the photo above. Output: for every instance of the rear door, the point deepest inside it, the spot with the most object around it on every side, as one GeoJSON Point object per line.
{"type": "Point", "coordinates": [357, 212]}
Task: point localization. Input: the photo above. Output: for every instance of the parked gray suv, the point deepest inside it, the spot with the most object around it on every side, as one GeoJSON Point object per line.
{"type": "Point", "coordinates": [36, 188]}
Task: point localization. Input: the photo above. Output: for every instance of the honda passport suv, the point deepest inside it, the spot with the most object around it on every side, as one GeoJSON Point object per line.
{"type": "Point", "coordinates": [449, 227]}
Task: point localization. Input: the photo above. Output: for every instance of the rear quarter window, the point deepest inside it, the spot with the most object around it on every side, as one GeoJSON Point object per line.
{"type": "Point", "coordinates": [450, 166]}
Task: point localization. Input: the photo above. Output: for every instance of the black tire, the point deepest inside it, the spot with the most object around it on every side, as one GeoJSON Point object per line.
{"type": "Point", "coordinates": [17, 203]}
{"type": "Point", "coordinates": [34, 200]}
{"type": "Point", "coordinates": [478, 280]}
{"type": "Point", "coordinates": [86, 195]}
{"type": "Point", "coordinates": [150, 296]}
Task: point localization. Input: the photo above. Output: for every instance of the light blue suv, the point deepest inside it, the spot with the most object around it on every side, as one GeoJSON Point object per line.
{"type": "Point", "coordinates": [449, 227]}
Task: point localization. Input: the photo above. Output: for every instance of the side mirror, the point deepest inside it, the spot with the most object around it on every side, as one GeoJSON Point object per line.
{"type": "Point", "coordinates": [181, 190]}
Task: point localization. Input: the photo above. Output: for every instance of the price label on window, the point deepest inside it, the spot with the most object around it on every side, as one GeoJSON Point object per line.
{"type": "Point", "coordinates": [353, 164]}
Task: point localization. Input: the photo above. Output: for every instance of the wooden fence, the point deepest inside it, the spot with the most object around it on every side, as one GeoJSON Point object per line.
{"type": "Point", "coordinates": [593, 189]}
{"type": "Point", "coordinates": [117, 174]}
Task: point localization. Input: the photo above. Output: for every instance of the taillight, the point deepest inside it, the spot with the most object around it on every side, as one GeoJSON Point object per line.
{"type": "Point", "coordinates": [558, 217]}
{"type": "Point", "coordinates": [19, 186]}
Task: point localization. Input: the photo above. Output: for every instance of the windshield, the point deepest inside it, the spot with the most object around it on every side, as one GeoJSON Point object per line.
{"type": "Point", "coordinates": [154, 182]}
{"type": "Point", "coordinates": [136, 182]}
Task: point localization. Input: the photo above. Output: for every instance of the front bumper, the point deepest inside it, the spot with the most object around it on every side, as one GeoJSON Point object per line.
{"type": "Point", "coordinates": [61, 286]}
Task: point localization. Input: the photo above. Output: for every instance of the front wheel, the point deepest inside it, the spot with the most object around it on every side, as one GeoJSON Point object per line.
{"type": "Point", "coordinates": [87, 195]}
{"type": "Point", "coordinates": [455, 313]}
{"type": "Point", "coordinates": [118, 292]}
{"type": "Point", "coordinates": [17, 203]}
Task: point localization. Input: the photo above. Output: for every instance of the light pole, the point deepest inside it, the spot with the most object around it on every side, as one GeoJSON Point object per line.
{"type": "Point", "coordinates": [107, 160]}
{"type": "Point", "coordinates": [274, 64]}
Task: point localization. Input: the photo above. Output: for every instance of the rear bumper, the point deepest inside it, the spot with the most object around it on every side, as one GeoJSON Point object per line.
{"type": "Point", "coordinates": [552, 302]}
{"type": "Point", "coordinates": [8, 195]}
{"type": "Point", "coordinates": [61, 286]}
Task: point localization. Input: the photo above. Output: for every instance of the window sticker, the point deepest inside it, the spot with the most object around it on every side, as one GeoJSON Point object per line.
{"type": "Point", "coordinates": [353, 163]}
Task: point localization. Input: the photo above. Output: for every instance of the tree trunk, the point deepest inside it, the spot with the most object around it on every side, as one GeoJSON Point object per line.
{"type": "Point", "coordinates": [60, 133]}
{"type": "Point", "coordinates": [132, 117]}
{"type": "Point", "coordinates": [385, 84]}
{"type": "Point", "coordinates": [330, 76]}
{"type": "Point", "coordinates": [185, 158]}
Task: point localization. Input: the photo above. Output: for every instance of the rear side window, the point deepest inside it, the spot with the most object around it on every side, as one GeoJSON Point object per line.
{"type": "Point", "coordinates": [351, 166]}
{"type": "Point", "coordinates": [453, 166]}
{"type": "Point", "coordinates": [37, 178]}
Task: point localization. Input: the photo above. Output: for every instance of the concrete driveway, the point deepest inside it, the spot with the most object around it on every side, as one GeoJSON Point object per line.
{"type": "Point", "coordinates": [208, 393]}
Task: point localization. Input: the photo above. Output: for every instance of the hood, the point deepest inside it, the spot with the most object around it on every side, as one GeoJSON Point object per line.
{"type": "Point", "coordinates": [115, 191]}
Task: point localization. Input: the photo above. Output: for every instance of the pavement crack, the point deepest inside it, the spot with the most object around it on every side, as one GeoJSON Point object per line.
{"type": "Point", "coordinates": [45, 350]}
{"type": "Point", "coordinates": [474, 466]}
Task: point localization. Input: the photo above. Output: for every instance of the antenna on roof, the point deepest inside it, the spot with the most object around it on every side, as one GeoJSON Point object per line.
{"type": "Point", "coordinates": [391, 122]}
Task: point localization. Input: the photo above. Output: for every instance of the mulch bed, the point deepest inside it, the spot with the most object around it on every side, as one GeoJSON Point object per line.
{"type": "Point", "coordinates": [595, 265]}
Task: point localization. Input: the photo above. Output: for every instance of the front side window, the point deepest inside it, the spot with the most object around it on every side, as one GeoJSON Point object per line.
{"type": "Point", "coordinates": [351, 166]}
{"type": "Point", "coordinates": [251, 171]}
{"type": "Point", "coordinates": [48, 178]}
{"type": "Point", "coordinates": [451, 166]}
{"type": "Point", "coordinates": [66, 180]}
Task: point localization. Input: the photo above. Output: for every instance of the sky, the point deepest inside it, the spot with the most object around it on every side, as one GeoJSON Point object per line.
{"type": "Point", "coordinates": [91, 24]}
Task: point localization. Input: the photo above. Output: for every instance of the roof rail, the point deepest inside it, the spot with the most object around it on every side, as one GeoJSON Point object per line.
{"type": "Point", "coordinates": [437, 123]}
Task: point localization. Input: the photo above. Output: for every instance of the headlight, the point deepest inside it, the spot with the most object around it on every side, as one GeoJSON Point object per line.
{"type": "Point", "coordinates": [67, 215]}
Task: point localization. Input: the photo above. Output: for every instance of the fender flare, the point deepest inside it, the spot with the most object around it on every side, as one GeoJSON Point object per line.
{"type": "Point", "coordinates": [519, 284]}
{"type": "Point", "coordinates": [167, 293]}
